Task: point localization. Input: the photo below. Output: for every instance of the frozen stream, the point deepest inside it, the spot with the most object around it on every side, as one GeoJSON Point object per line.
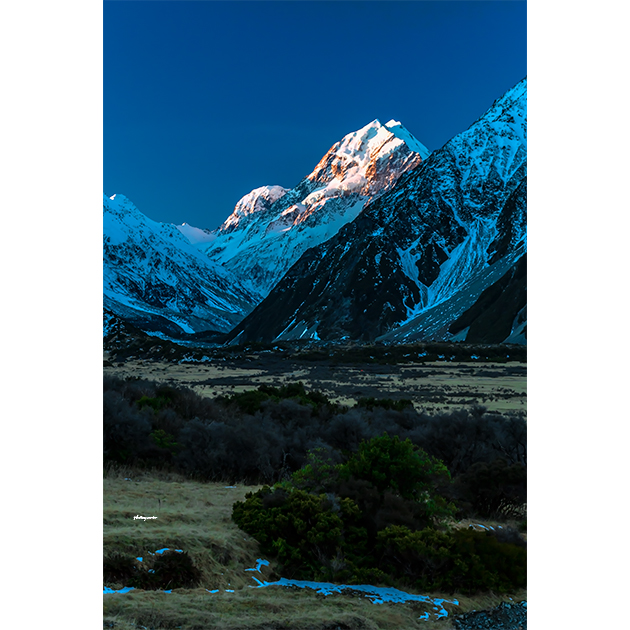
{"type": "Point", "coordinates": [376, 594]}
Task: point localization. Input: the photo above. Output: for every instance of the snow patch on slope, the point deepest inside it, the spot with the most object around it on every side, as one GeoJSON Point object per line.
{"type": "Point", "coordinates": [401, 132]}
{"type": "Point", "coordinates": [195, 235]}
{"type": "Point", "coordinates": [465, 261]}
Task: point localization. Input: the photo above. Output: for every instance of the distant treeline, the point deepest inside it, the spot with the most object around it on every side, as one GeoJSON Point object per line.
{"type": "Point", "coordinates": [421, 352]}
{"type": "Point", "coordinates": [127, 342]}
{"type": "Point", "coordinates": [265, 435]}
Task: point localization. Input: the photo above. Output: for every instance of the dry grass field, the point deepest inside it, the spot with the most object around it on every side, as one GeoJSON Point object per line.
{"type": "Point", "coordinates": [431, 386]}
{"type": "Point", "coordinates": [195, 517]}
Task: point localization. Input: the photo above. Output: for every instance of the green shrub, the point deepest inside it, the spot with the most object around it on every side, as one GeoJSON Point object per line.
{"type": "Point", "coordinates": [157, 403]}
{"type": "Point", "coordinates": [505, 562]}
{"type": "Point", "coordinates": [322, 537]}
{"type": "Point", "coordinates": [392, 464]}
{"type": "Point", "coordinates": [165, 440]}
{"type": "Point", "coordinates": [319, 475]}
{"type": "Point", "coordinates": [373, 518]}
{"type": "Point", "coordinates": [323, 521]}
{"type": "Point", "coordinates": [248, 402]}
{"type": "Point", "coordinates": [463, 560]}
{"type": "Point", "coordinates": [304, 531]}
{"type": "Point", "coordinates": [251, 401]}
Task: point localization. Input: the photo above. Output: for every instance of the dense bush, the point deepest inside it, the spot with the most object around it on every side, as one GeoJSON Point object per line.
{"type": "Point", "coordinates": [391, 464]}
{"type": "Point", "coordinates": [168, 570]}
{"type": "Point", "coordinates": [251, 401]}
{"type": "Point", "coordinates": [304, 531]}
{"type": "Point", "coordinates": [376, 516]}
{"type": "Point", "coordinates": [119, 568]}
{"type": "Point", "coordinates": [345, 431]}
{"type": "Point", "coordinates": [493, 489]}
{"type": "Point", "coordinates": [349, 501]}
{"type": "Point", "coordinates": [125, 429]}
{"type": "Point", "coordinates": [219, 451]}
{"type": "Point", "coordinates": [265, 435]}
{"type": "Point", "coordinates": [462, 560]}
{"type": "Point", "coordinates": [464, 437]}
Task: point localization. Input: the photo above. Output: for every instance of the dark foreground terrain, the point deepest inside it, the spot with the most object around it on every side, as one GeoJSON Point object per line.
{"type": "Point", "coordinates": [190, 430]}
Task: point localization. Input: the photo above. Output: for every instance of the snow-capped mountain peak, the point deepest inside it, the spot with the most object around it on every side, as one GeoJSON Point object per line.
{"type": "Point", "coordinates": [257, 200]}
{"type": "Point", "coordinates": [438, 256]}
{"type": "Point", "coordinates": [352, 156]}
{"type": "Point", "coordinates": [271, 226]}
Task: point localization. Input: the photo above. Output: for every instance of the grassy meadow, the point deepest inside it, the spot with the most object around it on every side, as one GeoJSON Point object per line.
{"type": "Point", "coordinates": [196, 517]}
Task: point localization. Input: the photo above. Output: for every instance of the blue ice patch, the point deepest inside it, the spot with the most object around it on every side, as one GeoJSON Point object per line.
{"type": "Point", "coordinates": [126, 589]}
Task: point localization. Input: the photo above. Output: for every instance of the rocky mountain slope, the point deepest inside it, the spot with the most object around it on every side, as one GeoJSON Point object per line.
{"type": "Point", "coordinates": [272, 227]}
{"type": "Point", "coordinates": [154, 278]}
{"type": "Point", "coordinates": [421, 255]}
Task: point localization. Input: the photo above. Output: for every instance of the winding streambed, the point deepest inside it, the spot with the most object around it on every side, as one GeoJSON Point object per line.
{"type": "Point", "coordinates": [376, 594]}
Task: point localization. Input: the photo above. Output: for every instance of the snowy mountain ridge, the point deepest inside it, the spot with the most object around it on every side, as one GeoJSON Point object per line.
{"type": "Point", "coordinates": [424, 253]}
{"type": "Point", "coordinates": [272, 226]}
{"type": "Point", "coordinates": [155, 278]}
{"type": "Point", "coordinates": [381, 241]}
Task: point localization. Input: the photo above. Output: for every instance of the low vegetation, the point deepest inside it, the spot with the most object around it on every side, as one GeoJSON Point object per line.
{"type": "Point", "coordinates": [380, 516]}
{"type": "Point", "coordinates": [195, 517]}
{"type": "Point", "coordinates": [265, 435]}
{"type": "Point", "coordinates": [377, 493]}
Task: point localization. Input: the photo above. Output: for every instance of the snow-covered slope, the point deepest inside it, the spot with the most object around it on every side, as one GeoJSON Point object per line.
{"type": "Point", "coordinates": [195, 235]}
{"type": "Point", "coordinates": [423, 252]}
{"type": "Point", "coordinates": [156, 279]}
{"type": "Point", "coordinates": [272, 227]}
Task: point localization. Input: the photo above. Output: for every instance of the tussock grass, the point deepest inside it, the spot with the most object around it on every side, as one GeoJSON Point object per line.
{"type": "Point", "coordinates": [192, 516]}
{"type": "Point", "coordinates": [196, 517]}
{"type": "Point", "coordinates": [265, 608]}
{"type": "Point", "coordinates": [277, 609]}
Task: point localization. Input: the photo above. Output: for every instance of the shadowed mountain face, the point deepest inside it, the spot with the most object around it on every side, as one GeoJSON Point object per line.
{"type": "Point", "coordinates": [499, 314]}
{"type": "Point", "coordinates": [422, 254]}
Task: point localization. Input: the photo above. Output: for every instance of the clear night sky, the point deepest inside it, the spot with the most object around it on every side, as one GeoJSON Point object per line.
{"type": "Point", "coordinates": [204, 100]}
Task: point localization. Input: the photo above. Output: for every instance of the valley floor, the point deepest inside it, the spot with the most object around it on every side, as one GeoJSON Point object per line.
{"type": "Point", "coordinates": [431, 386]}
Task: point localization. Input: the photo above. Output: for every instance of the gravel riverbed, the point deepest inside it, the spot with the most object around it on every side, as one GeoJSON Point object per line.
{"type": "Point", "coordinates": [504, 617]}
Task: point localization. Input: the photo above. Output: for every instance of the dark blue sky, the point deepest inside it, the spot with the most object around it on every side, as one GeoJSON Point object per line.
{"type": "Point", "coordinates": [204, 100]}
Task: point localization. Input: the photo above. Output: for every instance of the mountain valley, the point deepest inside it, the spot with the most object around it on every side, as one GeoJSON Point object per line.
{"type": "Point", "coordinates": [383, 241]}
